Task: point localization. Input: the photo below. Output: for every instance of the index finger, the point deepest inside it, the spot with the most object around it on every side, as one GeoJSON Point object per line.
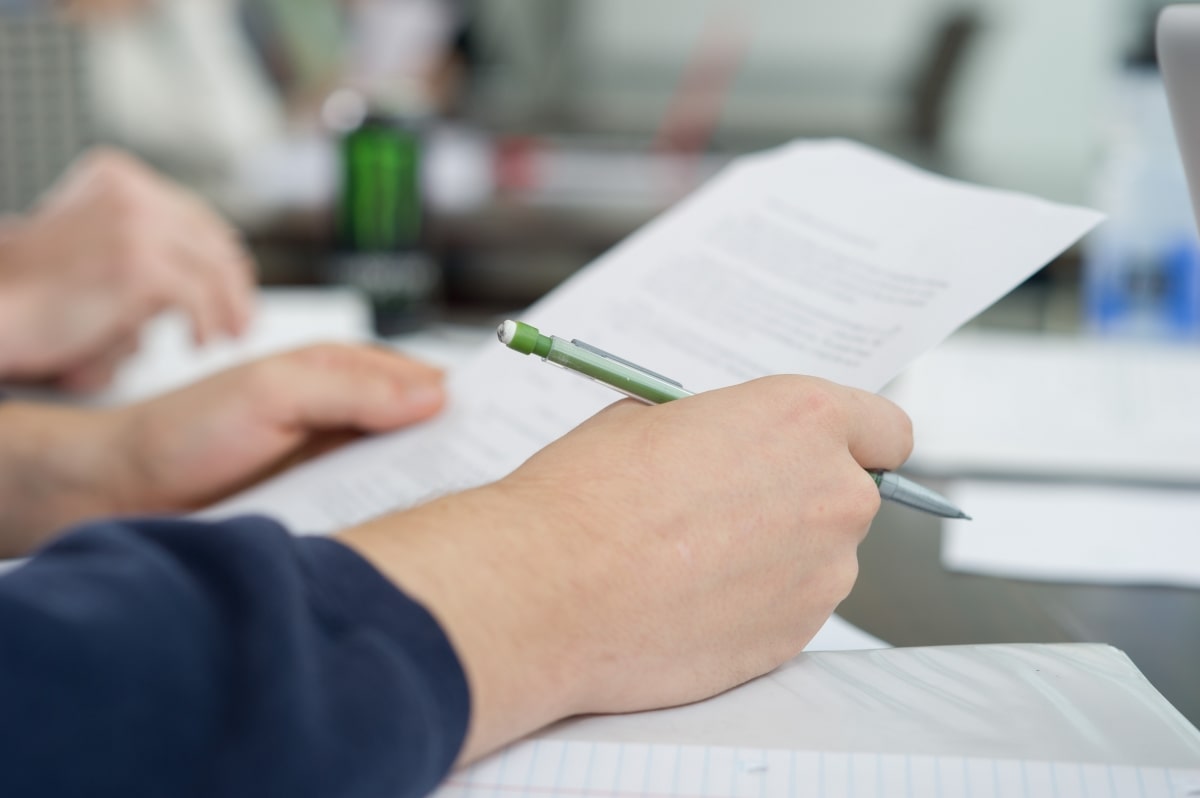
{"type": "Point", "coordinates": [878, 432]}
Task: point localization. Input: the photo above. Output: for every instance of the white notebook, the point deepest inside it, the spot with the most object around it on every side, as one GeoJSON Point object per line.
{"type": "Point", "coordinates": [557, 769]}
{"type": "Point", "coordinates": [984, 721]}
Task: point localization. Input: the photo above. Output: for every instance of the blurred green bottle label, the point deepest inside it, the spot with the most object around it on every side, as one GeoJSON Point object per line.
{"type": "Point", "coordinates": [380, 207]}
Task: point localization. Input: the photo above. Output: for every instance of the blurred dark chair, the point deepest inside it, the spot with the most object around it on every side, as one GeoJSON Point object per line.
{"type": "Point", "coordinates": [934, 80]}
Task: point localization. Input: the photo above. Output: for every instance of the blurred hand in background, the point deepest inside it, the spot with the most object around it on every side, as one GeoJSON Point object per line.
{"type": "Point", "coordinates": [89, 10]}
{"type": "Point", "coordinates": [189, 448]}
{"type": "Point", "coordinates": [110, 246]}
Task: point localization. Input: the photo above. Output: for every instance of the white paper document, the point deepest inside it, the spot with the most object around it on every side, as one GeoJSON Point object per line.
{"type": "Point", "coordinates": [1013, 404]}
{"type": "Point", "coordinates": [838, 634]}
{"type": "Point", "coordinates": [824, 258]}
{"type": "Point", "coordinates": [554, 769]}
{"type": "Point", "coordinates": [1061, 532]}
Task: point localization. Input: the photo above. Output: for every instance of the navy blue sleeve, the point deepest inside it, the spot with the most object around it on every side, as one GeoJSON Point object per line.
{"type": "Point", "coordinates": [181, 658]}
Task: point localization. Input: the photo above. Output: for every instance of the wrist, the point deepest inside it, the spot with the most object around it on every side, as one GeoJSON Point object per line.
{"type": "Point", "coordinates": [472, 560]}
{"type": "Point", "coordinates": [52, 464]}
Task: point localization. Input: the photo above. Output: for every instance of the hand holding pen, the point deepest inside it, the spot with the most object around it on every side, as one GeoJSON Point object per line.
{"type": "Point", "coordinates": [653, 388]}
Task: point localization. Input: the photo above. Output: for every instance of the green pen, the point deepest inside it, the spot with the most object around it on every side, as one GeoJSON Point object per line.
{"type": "Point", "coordinates": [652, 388]}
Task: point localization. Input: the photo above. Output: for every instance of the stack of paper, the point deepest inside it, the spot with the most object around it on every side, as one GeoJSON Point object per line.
{"type": "Point", "coordinates": [1067, 532]}
{"type": "Point", "coordinates": [1093, 446]}
{"type": "Point", "coordinates": [1012, 404]}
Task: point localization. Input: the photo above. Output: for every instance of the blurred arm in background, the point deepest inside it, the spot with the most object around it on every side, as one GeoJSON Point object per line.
{"type": "Point", "coordinates": [108, 248]}
{"type": "Point", "coordinates": [93, 10]}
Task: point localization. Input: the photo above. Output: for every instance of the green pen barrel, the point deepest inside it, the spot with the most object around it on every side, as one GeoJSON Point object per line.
{"type": "Point", "coordinates": [629, 381]}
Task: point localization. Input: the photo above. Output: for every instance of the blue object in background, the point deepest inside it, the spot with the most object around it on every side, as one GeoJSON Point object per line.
{"type": "Point", "coordinates": [1143, 293]}
{"type": "Point", "coordinates": [1141, 271]}
{"type": "Point", "coordinates": [1182, 295]}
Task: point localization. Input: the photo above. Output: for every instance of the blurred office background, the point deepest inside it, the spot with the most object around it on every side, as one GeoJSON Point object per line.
{"type": "Point", "coordinates": [547, 130]}
{"type": "Point", "coordinates": [454, 160]}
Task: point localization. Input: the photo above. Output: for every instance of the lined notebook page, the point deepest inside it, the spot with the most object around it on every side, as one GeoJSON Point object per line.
{"type": "Point", "coordinates": [548, 768]}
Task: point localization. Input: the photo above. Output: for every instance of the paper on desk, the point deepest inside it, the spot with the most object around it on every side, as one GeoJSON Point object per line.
{"type": "Point", "coordinates": [838, 634]}
{"type": "Point", "coordinates": [1076, 533]}
{"type": "Point", "coordinates": [1074, 702]}
{"type": "Point", "coordinates": [998, 720]}
{"type": "Point", "coordinates": [554, 769]}
{"type": "Point", "coordinates": [1022, 404]}
{"type": "Point", "coordinates": [283, 319]}
{"type": "Point", "coordinates": [823, 257]}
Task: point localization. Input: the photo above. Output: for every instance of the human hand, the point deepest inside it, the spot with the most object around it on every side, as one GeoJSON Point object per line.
{"type": "Point", "coordinates": [188, 448]}
{"type": "Point", "coordinates": [653, 556]}
{"type": "Point", "coordinates": [110, 246]}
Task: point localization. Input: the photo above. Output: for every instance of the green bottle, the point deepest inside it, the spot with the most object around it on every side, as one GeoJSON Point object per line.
{"type": "Point", "coordinates": [380, 208]}
{"type": "Point", "coordinates": [380, 223]}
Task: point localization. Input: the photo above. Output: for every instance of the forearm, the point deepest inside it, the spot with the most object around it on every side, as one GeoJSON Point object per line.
{"type": "Point", "coordinates": [50, 469]}
{"type": "Point", "coordinates": [52, 459]}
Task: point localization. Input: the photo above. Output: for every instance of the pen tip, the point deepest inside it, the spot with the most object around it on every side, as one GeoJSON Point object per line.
{"type": "Point", "coordinates": [964, 516]}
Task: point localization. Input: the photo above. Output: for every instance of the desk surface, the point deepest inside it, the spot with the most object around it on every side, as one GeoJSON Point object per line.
{"type": "Point", "coordinates": [904, 596]}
